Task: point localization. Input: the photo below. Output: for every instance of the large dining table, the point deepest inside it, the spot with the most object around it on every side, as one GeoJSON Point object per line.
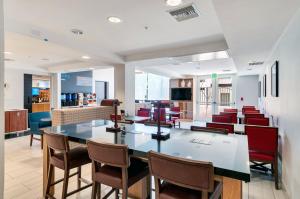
{"type": "Point", "coordinates": [227, 153]}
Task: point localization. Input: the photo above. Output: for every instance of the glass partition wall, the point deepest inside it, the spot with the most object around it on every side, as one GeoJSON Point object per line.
{"type": "Point", "coordinates": [213, 94]}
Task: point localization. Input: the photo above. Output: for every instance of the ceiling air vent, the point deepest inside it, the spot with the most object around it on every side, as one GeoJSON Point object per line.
{"type": "Point", "coordinates": [256, 63]}
{"type": "Point", "coordinates": [184, 13]}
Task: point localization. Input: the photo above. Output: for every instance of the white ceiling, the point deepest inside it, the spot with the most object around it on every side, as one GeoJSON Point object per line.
{"type": "Point", "coordinates": [106, 42]}
{"type": "Point", "coordinates": [252, 27]}
{"type": "Point", "coordinates": [249, 28]}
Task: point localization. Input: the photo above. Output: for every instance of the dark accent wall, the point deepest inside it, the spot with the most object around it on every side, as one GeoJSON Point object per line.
{"type": "Point", "coordinates": [77, 82]}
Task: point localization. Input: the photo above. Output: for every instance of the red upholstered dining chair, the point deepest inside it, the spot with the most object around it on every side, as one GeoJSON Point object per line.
{"type": "Point", "coordinates": [247, 108]}
{"type": "Point", "coordinates": [221, 118]}
{"type": "Point", "coordinates": [146, 109]}
{"type": "Point", "coordinates": [232, 115]}
{"type": "Point", "coordinates": [112, 117]}
{"type": "Point", "coordinates": [253, 115]}
{"type": "Point", "coordinates": [263, 148]}
{"type": "Point", "coordinates": [230, 110]}
{"type": "Point", "coordinates": [162, 114]}
{"type": "Point", "coordinates": [258, 121]}
{"type": "Point", "coordinates": [175, 178]}
{"type": "Point", "coordinates": [228, 127]}
{"type": "Point", "coordinates": [252, 112]}
{"type": "Point", "coordinates": [175, 117]}
{"type": "Point", "coordinates": [143, 114]}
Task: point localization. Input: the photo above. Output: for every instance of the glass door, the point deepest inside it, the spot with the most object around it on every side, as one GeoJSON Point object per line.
{"type": "Point", "coordinates": [213, 95]}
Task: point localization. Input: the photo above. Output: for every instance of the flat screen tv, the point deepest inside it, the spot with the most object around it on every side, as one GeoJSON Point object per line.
{"type": "Point", "coordinates": [181, 94]}
{"type": "Point", "coordinates": [35, 91]}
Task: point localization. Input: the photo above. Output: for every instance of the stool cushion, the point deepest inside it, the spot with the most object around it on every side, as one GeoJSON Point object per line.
{"type": "Point", "coordinates": [112, 176]}
{"type": "Point", "coordinates": [77, 157]}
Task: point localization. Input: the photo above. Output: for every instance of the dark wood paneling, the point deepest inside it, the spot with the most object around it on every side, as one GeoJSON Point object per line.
{"type": "Point", "coordinates": [15, 121]}
{"type": "Point", "coordinates": [7, 122]}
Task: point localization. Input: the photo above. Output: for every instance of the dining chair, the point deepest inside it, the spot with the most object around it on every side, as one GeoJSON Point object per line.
{"type": "Point", "coordinates": [258, 121]}
{"type": "Point", "coordinates": [230, 110]}
{"type": "Point", "coordinates": [141, 113]}
{"type": "Point", "coordinates": [112, 117]}
{"type": "Point", "coordinates": [228, 127]}
{"type": "Point", "coordinates": [253, 115]}
{"type": "Point", "coordinates": [175, 178]}
{"type": "Point", "coordinates": [232, 115]}
{"type": "Point", "coordinates": [36, 121]}
{"type": "Point", "coordinates": [210, 130]}
{"type": "Point", "coordinates": [111, 166]}
{"type": "Point", "coordinates": [62, 157]}
{"type": "Point", "coordinates": [252, 112]}
{"type": "Point", "coordinates": [162, 114]}
{"type": "Point", "coordinates": [263, 149]}
{"type": "Point", "coordinates": [222, 118]}
{"type": "Point", "coordinates": [247, 108]}
{"type": "Point", "coordinates": [175, 117]}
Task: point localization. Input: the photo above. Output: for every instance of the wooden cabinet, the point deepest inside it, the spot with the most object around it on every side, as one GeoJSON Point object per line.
{"type": "Point", "coordinates": [41, 107]}
{"type": "Point", "coordinates": [16, 120]}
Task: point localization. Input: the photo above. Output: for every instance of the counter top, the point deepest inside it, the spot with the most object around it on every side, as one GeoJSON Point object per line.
{"type": "Point", "coordinates": [21, 109]}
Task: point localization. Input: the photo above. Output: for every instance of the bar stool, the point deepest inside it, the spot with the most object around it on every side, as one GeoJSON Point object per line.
{"type": "Point", "coordinates": [111, 166]}
{"type": "Point", "coordinates": [62, 157]}
{"type": "Point", "coordinates": [182, 178]}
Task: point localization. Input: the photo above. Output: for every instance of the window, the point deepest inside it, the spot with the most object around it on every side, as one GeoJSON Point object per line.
{"type": "Point", "coordinates": [149, 86]}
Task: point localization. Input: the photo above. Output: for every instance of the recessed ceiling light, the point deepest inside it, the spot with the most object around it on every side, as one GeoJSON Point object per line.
{"type": "Point", "coordinates": [226, 70]}
{"type": "Point", "coordinates": [86, 57]}
{"type": "Point", "coordinates": [7, 53]}
{"type": "Point", "coordinates": [173, 2]}
{"type": "Point", "coordinates": [249, 69]}
{"type": "Point", "coordinates": [190, 62]}
{"type": "Point", "coordinates": [114, 19]}
{"type": "Point", "coordinates": [92, 68]}
{"type": "Point", "coordinates": [45, 59]}
{"type": "Point", "coordinates": [76, 31]}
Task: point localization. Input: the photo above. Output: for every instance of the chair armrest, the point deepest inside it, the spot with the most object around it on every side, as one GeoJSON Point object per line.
{"type": "Point", "coordinates": [218, 190]}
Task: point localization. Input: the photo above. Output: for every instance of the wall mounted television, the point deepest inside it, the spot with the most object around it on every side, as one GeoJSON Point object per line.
{"type": "Point", "coordinates": [181, 94]}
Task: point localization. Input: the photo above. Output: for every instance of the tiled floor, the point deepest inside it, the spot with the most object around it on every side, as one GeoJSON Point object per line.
{"type": "Point", "coordinates": [23, 175]}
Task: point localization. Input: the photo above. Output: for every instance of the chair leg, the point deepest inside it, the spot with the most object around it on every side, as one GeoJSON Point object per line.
{"type": "Point", "coordinates": [125, 193]}
{"type": "Point", "coordinates": [79, 177]}
{"type": "Point", "coordinates": [117, 193]}
{"type": "Point", "coordinates": [42, 141]}
{"type": "Point", "coordinates": [94, 190]}
{"type": "Point", "coordinates": [65, 183]}
{"type": "Point", "coordinates": [99, 191]}
{"type": "Point", "coordinates": [31, 139]}
{"type": "Point", "coordinates": [50, 173]}
{"type": "Point", "coordinates": [275, 166]}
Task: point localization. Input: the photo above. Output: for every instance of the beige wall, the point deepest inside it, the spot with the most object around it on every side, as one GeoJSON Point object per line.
{"type": "Point", "coordinates": [119, 82]}
{"type": "Point", "coordinates": [286, 108]}
{"type": "Point", "coordinates": [1, 102]}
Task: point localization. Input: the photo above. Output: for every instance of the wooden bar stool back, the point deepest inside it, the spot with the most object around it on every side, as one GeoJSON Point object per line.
{"type": "Point", "coordinates": [111, 166]}
{"type": "Point", "coordinates": [175, 178]}
{"type": "Point", "coordinates": [62, 157]}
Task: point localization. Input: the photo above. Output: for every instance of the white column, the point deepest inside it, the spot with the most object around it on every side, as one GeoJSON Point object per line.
{"type": "Point", "coordinates": [130, 89]}
{"type": "Point", "coordinates": [119, 83]}
{"type": "Point", "coordinates": [56, 90]}
{"type": "Point", "coordinates": [1, 101]}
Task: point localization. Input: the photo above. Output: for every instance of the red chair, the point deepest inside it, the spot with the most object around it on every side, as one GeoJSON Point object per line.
{"type": "Point", "coordinates": [174, 117]}
{"type": "Point", "coordinates": [258, 121]}
{"type": "Point", "coordinates": [232, 115]}
{"type": "Point", "coordinates": [252, 112]}
{"type": "Point", "coordinates": [263, 148]}
{"type": "Point", "coordinates": [162, 114]}
{"type": "Point", "coordinates": [112, 117]}
{"type": "Point", "coordinates": [230, 110]}
{"type": "Point", "coordinates": [143, 114]}
{"type": "Point", "coordinates": [251, 115]}
{"type": "Point", "coordinates": [244, 109]}
{"type": "Point", "coordinates": [228, 127]}
{"type": "Point", "coordinates": [145, 109]}
{"type": "Point", "coordinates": [221, 118]}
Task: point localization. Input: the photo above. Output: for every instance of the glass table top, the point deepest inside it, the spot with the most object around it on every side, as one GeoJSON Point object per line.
{"type": "Point", "coordinates": [228, 153]}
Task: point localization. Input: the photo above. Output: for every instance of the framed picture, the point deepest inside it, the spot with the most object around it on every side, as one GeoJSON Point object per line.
{"type": "Point", "coordinates": [265, 85]}
{"type": "Point", "coordinates": [274, 79]}
{"type": "Point", "coordinates": [259, 89]}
